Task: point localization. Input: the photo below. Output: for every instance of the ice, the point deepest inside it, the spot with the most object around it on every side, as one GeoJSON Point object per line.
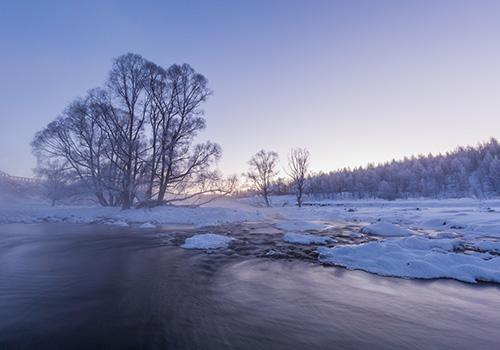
{"type": "Point", "coordinates": [300, 238]}
{"type": "Point", "coordinates": [207, 241]}
{"type": "Point", "coordinates": [414, 257]}
{"type": "Point", "coordinates": [386, 230]}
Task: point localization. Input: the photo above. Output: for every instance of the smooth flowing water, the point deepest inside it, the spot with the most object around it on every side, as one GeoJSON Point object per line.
{"type": "Point", "coordinates": [101, 287]}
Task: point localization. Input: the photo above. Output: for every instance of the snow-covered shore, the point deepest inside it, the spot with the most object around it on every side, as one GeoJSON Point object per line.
{"type": "Point", "coordinates": [204, 216]}
{"type": "Point", "coordinates": [457, 239]}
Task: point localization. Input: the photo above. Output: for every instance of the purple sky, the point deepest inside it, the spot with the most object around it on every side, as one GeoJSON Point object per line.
{"type": "Point", "coordinates": [353, 81]}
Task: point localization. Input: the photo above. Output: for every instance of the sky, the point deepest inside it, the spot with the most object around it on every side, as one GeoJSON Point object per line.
{"type": "Point", "coordinates": [352, 81]}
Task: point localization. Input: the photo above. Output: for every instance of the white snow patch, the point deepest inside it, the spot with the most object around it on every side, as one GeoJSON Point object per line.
{"type": "Point", "coordinates": [300, 238]}
{"type": "Point", "coordinates": [387, 230]}
{"type": "Point", "coordinates": [444, 234]}
{"type": "Point", "coordinates": [414, 257]}
{"type": "Point", "coordinates": [207, 241]}
{"type": "Point", "coordinates": [488, 246]}
{"type": "Point", "coordinates": [147, 225]}
{"type": "Point", "coordinates": [119, 223]}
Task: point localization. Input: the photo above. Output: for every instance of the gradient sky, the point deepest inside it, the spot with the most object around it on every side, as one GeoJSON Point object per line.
{"type": "Point", "coordinates": [353, 81]}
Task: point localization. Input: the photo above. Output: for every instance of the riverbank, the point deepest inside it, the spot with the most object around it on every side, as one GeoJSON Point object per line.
{"type": "Point", "coordinates": [428, 239]}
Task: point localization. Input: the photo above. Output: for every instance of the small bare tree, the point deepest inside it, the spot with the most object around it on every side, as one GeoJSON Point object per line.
{"type": "Point", "coordinates": [298, 164]}
{"type": "Point", "coordinates": [55, 180]}
{"type": "Point", "coordinates": [263, 168]}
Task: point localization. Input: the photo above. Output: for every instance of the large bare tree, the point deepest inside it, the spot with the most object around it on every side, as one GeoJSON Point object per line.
{"type": "Point", "coordinates": [298, 165]}
{"type": "Point", "coordinates": [132, 142]}
{"type": "Point", "coordinates": [263, 169]}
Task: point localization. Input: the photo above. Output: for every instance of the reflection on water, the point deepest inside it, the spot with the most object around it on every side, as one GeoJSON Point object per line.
{"type": "Point", "coordinates": [103, 287]}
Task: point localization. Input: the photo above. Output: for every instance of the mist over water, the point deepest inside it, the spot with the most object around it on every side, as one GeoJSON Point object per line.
{"type": "Point", "coordinates": [99, 286]}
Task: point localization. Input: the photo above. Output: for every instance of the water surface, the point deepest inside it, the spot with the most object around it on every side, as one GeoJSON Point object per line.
{"type": "Point", "coordinates": [103, 287]}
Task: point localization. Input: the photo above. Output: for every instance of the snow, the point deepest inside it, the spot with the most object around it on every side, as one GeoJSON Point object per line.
{"type": "Point", "coordinates": [414, 257]}
{"type": "Point", "coordinates": [493, 246]}
{"type": "Point", "coordinates": [147, 225]}
{"type": "Point", "coordinates": [204, 216]}
{"type": "Point", "coordinates": [207, 241]}
{"type": "Point", "coordinates": [119, 223]}
{"type": "Point", "coordinates": [386, 230]}
{"type": "Point", "coordinates": [300, 238]}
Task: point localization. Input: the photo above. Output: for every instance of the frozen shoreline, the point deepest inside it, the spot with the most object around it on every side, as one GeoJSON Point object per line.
{"type": "Point", "coordinates": [471, 228]}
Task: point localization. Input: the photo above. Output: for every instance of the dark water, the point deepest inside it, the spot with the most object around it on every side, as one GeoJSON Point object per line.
{"type": "Point", "coordinates": [102, 287]}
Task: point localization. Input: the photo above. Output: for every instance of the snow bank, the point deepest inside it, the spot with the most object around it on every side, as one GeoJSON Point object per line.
{"type": "Point", "coordinates": [207, 241]}
{"type": "Point", "coordinates": [414, 257]}
{"type": "Point", "coordinates": [300, 238]}
{"type": "Point", "coordinates": [147, 225]}
{"type": "Point", "coordinates": [203, 216]}
{"type": "Point", "coordinates": [386, 230]}
{"type": "Point", "coordinates": [487, 246]}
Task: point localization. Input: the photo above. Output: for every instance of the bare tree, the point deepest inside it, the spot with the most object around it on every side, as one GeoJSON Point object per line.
{"type": "Point", "coordinates": [298, 164]}
{"type": "Point", "coordinates": [77, 139]}
{"type": "Point", "coordinates": [133, 141]}
{"type": "Point", "coordinates": [177, 95]}
{"type": "Point", "coordinates": [125, 123]}
{"type": "Point", "coordinates": [263, 168]}
{"type": "Point", "coordinates": [55, 181]}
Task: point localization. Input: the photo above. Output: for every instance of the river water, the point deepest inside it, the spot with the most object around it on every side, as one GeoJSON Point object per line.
{"type": "Point", "coordinates": [68, 286]}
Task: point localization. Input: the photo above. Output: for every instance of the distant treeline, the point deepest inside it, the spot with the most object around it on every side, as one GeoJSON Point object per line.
{"type": "Point", "coordinates": [464, 172]}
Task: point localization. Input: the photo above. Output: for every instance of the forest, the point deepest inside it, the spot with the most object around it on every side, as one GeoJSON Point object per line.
{"type": "Point", "coordinates": [472, 171]}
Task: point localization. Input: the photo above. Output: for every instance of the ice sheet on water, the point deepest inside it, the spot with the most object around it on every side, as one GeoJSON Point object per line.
{"type": "Point", "coordinates": [207, 241]}
{"type": "Point", "coordinates": [300, 238]}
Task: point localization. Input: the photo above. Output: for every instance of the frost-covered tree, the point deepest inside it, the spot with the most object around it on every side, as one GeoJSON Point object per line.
{"type": "Point", "coordinates": [132, 142]}
{"type": "Point", "coordinates": [298, 166]}
{"type": "Point", "coordinates": [55, 182]}
{"type": "Point", "coordinates": [463, 172]}
{"type": "Point", "coordinates": [263, 169]}
{"type": "Point", "coordinates": [494, 174]}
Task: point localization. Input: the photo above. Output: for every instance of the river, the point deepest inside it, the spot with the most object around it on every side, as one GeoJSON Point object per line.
{"type": "Point", "coordinates": [69, 286]}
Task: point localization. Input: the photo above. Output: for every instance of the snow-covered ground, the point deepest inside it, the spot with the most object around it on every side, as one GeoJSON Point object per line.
{"type": "Point", "coordinates": [32, 212]}
{"type": "Point", "coordinates": [454, 238]}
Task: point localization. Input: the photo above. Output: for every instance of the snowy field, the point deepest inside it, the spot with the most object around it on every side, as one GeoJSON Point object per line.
{"type": "Point", "coordinates": [457, 239]}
